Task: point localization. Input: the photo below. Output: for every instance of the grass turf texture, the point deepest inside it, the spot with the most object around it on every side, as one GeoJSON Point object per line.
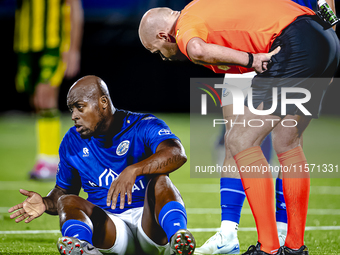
{"type": "Point", "coordinates": [17, 156]}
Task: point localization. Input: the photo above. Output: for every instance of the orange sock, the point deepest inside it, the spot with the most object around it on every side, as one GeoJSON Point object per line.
{"type": "Point", "coordinates": [296, 185]}
{"type": "Point", "coordinates": [259, 189]}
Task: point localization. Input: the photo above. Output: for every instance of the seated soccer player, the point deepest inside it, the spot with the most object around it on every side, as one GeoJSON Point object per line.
{"type": "Point", "coordinates": [122, 160]}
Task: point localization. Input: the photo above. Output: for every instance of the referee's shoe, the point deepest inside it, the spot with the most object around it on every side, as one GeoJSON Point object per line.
{"type": "Point", "coordinates": [302, 251]}
{"type": "Point", "coordinates": [255, 250]}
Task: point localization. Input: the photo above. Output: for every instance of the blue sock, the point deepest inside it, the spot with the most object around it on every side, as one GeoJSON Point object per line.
{"type": "Point", "coordinates": [172, 218]}
{"type": "Point", "coordinates": [232, 198]}
{"type": "Point", "coordinates": [266, 147]}
{"type": "Point", "coordinates": [281, 213]}
{"type": "Point", "coordinates": [78, 229]}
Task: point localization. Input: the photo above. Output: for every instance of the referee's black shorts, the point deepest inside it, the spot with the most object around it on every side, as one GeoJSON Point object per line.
{"type": "Point", "coordinates": [308, 52]}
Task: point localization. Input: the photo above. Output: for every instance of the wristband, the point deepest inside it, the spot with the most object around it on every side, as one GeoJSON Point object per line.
{"type": "Point", "coordinates": [251, 59]}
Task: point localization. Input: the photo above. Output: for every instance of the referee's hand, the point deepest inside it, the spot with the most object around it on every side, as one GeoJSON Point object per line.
{"type": "Point", "coordinates": [261, 60]}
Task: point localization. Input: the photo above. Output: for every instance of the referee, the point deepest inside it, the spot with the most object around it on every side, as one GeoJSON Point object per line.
{"type": "Point", "coordinates": [287, 45]}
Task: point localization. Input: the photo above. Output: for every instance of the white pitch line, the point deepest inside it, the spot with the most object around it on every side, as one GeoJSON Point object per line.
{"type": "Point", "coordinates": [4, 209]}
{"type": "Point", "coordinates": [254, 229]}
{"type": "Point", "coordinates": [215, 188]}
{"type": "Point", "coordinates": [28, 185]}
{"type": "Point", "coordinates": [245, 211]}
{"type": "Point", "coordinates": [183, 187]}
{"type": "Point", "coordinates": [216, 229]}
{"type": "Point", "coordinates": [24, 232]}
{"type": "Point", "coordinates": [11, 232]}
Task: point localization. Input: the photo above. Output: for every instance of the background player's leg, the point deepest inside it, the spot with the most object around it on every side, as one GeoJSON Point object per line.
{"type": "Point", "coordinates": [45, 101]}
{"type": "Point", "coordinates": [164, 216]}
{"type": "Point", "coordinates": [267, 148]}
{"type": "Point", "coordinates": [232, 197]}
{"type": "Point", "coordinates": [48, 126]}
{"type": "Point", "coordinates": [281, 212]}
{"type": "Point", "coordinates": [85, 221]}
{"type": "Point", "coordinates": [231, 189]}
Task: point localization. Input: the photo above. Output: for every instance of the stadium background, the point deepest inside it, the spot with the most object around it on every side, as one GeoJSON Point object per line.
{"type": "Point", "coordinates": [112, 50]}
{"type": "Point", "coordinates": [140, 81]}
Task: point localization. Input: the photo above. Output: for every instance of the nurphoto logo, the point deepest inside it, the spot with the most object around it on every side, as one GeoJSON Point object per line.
{"type": "Point", "coordinates": [238, 100]}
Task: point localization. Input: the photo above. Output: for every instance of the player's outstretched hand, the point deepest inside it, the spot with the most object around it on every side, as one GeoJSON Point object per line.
{"type": "Point", "coordinates": [30, 209]}
{"type": "Point", "coordinates": [122, 185]}
{"type": "Point", "coordinates": [261, 60]}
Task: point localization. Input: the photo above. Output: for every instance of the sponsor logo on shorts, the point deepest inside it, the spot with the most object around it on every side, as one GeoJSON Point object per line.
{"type": "Point", "coordinates": [225, 92]}
{"type": "Point", "coordinates": [93, 184]}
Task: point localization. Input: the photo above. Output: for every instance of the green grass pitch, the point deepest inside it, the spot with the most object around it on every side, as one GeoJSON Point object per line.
{"type": "Point", "coordinates": [201, 195]}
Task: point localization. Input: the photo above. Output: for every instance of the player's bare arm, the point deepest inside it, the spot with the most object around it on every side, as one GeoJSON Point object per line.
{"type": "Point", "coordinates": [169, 156]}
{"type": "Point", "coordinates": [204, 53]}
{"type": "Point", "coordinates": [35, 205]}
{"type": "Point", "coordinates": [51, 199]}
{"type": "Point", "coordinates": [72, 56]}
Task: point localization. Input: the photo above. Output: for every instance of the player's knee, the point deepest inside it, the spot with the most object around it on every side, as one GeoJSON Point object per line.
{"type": "Point", "coordinates": [282, 143]}
{"type": "Point", "coordinates": [159, 182]}
{"type": "Point", "coordinates": [161, 188]}
{"type": "Point", "coordinates": [241, 139]}
{"type": "Point", "coordinates": [234, 142]}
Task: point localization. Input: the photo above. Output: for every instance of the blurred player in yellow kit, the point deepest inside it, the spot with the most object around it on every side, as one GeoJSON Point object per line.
{"type": "Point", "coordinates": [47, 40]}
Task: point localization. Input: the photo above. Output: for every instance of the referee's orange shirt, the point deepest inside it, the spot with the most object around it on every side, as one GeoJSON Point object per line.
{"type": "Point", "coordinates": [245, 25]}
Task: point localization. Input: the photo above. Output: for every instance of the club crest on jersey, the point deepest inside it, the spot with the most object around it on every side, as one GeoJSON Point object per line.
{"type": "Point", "coordinates": [123, 147]}
{"type": "Point", "coordinates": [164, 131]}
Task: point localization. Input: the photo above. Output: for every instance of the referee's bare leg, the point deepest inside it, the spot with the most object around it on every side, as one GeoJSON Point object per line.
{"type": "Point", "coordinates": [244, 141]}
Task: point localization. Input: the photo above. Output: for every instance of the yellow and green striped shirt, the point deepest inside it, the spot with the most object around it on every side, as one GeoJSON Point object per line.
{"type": "Point", "coordinates": [41, 24]}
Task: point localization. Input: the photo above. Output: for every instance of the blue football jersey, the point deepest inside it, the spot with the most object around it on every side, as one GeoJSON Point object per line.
{"type": "Point", "coordinates": [96, 162]}
{"type": "Point", "coordinates": [311, 4]}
